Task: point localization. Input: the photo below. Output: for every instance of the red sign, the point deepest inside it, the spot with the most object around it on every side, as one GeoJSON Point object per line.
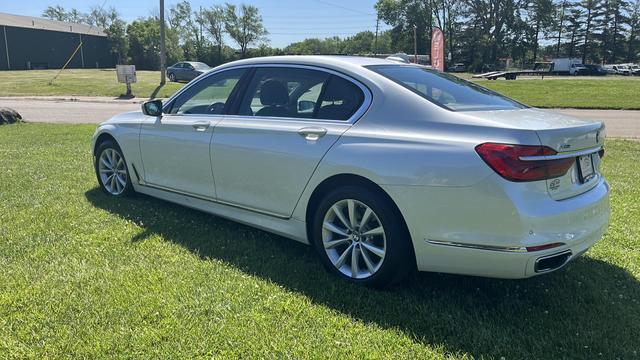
{"type": "Point", "coordinates": [437, 49]}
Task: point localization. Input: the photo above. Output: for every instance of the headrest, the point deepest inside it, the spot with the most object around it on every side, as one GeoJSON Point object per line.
{"type": "Point", "coordinates": [273, 92]}
{"type": "Point", "coordinates": [337, 91]}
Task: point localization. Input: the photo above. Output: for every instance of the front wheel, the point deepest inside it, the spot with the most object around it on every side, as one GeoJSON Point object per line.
{"type": "Point", "coordinates": [172, 77]}
{"type": "Point", "coordinates": [361, 237]}
{"type": "Point", "coordinates": [111, 170]}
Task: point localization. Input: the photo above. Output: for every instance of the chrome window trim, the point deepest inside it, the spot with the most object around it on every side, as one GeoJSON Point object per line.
{"type": "Point", "coordinates": [563, 155]}
{"type": "Point", "coordinates": [366, 103]}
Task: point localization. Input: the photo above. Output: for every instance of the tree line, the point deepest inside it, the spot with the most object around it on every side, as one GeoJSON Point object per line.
{"type": "Point", "coordinates": [486, 32]}
{"type": "Point", "coordinates": [479, 33]}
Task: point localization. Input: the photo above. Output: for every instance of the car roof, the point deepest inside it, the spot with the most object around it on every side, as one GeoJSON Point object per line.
{"type": "Point", "coordinates": [317, 60]}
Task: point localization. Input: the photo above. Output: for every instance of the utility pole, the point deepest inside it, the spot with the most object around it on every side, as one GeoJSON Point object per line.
{"type": "Point", "coordinates": [375, 41]}
{"type": "Point", "coordinates": [163, 55]}
{"type": "Point", "coordinates": [415, 44]}
{"type": "Point", "coordinates": [201, 40]}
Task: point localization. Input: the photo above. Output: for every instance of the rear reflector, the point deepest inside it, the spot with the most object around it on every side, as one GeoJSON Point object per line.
{"type": "Point", "coordinates": [505, 159]}
{"type": "Point", "coordinates": [543, 247]}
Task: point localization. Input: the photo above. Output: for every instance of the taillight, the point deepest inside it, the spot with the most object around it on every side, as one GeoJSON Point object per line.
{"type": "Point", "coordinates": [506, 160]}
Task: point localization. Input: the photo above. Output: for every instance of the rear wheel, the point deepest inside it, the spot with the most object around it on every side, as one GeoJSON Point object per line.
{"type": "Point", "coordinates": [172, 77]}
{"type": "Point", "coordinates": [361, 237]}
{"type": "Point", "coordinates": [111, 170]}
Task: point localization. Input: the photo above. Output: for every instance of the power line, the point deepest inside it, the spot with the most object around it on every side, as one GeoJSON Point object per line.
{"type": "Point", "coordinates": [343, 7]}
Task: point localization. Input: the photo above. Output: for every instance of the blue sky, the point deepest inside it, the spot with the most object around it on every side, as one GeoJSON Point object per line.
{"type": "Point", "coordinates": [286, 20]}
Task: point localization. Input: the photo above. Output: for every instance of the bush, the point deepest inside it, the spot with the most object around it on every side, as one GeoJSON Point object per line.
{"type": "Point", "coordinates": [9, 116]}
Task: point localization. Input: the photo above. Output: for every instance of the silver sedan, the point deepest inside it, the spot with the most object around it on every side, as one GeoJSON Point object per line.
{"type": "Point", "coordinates": [383, 167]}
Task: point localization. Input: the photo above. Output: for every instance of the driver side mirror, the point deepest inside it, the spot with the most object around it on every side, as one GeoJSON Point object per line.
{"type": "Point", "coordinates": [152, 108]}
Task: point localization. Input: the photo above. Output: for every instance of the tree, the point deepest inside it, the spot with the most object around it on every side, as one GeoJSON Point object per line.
{"type": "Point", "coordinates": [574, 29]}
{"type": "Point", "coordinates": [101, 17]}
{"type": "Point", "coordinates": [118, 42]}
{"type": "Point", "coordinates": [55, 13]}
{"type": "Point", "coordinates": [590, 7]}
{"type": "Point", "coordinates": [214, 20]}
{"type": "Point", "coordinates": [403, 15]}
{"type": "Point", "coordinates": [144, 44]}
{"type": "Point", "coordinates": [633, 44]}
{"type": "Point", "coordinates": [244, 26]}
{"type": "Point", "coordinates": [561, 15]}
{"type": "Point", "coordinates": [540, 14]}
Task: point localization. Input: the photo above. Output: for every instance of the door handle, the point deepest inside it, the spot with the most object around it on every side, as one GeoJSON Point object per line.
{"type": "Point", "coordinates": [201, 126]}
{"type": "Point", "coordinates": [312, 133]}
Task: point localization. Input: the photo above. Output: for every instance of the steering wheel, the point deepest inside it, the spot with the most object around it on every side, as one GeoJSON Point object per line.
{"type": "Point", "coordinates": [216, 108]}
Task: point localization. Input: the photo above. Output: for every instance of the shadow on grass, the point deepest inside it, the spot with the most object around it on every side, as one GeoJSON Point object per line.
{"type": "Point", "coordinates": [588, 309]}
{"type": "Point", "coordinates": [156, 91]}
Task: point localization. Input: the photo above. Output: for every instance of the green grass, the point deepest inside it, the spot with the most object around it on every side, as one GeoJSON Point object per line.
{"type": "Point", "coordinates": [613, 92]}
{"type": "Point", "coordinates": [80, 82]}
{"type": "Point", "coordinates": [83, 275]}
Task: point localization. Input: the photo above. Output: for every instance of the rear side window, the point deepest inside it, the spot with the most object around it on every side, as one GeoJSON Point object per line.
{"type": "Point", "coordinates": [340, 100]}
{"type": "Point", "coordinates": [447, 91]}
{"type": "Point", "coordinates": [300, 93]}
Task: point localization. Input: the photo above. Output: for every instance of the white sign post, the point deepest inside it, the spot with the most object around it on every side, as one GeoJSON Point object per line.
{"type": "Point", "coordinates": [127, 75]}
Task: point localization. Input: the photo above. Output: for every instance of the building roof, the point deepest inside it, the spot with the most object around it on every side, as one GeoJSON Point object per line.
{"type": "Point", "coordinates": [30, 22]}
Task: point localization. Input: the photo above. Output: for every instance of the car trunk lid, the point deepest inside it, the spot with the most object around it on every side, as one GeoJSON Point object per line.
{"type": "Point", "coordinates": [570, 137]}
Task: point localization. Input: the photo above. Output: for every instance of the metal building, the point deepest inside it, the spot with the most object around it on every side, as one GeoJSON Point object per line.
{"type": "Point", "coordinates": [35, 43]}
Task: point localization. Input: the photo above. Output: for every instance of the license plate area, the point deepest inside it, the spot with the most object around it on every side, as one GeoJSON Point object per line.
{"type": "Point", "coordinates": [586, 170]}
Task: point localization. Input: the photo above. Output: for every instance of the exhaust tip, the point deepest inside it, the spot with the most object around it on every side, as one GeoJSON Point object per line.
{"type": "Point", "coordinates": [552, 262]}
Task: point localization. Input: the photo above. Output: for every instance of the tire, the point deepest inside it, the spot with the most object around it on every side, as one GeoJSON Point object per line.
{"type": "Point", "coordinates": [374, 268]}
{"type": "Point", "coordinates": [120, 185]}
{"type": "Point", "coordinates": [172, 77]}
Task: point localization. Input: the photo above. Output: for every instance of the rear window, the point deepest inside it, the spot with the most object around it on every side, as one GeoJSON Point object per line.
{"type": "Point", "coordinates": [447, 91]}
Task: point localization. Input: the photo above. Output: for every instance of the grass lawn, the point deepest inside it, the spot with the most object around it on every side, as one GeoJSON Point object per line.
{"type": "Point", "coordinates": [611, 92]}
{"type": "Point", "coordinates": [82, 82]}
{"type": "Point", "coordinates": [83, 275]}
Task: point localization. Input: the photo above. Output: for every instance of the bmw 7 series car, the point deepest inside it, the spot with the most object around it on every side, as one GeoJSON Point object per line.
{"type": "Point", "coordinates": [382, 167]}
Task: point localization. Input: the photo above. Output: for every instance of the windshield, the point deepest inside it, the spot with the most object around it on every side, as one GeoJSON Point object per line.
{"type": "Point", "coordinates": [447, 91]}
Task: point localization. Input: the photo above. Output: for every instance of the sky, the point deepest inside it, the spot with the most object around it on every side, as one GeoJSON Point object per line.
{"type": "Point", "coordinates": [286, 20]}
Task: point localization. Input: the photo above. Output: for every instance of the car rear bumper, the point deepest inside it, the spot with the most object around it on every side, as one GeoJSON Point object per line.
{"type": "Point", "coordinates": [484, 230]}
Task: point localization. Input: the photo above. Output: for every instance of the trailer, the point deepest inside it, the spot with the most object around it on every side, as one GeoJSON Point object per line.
{"type": "Point", "coordinates": [511, 75]}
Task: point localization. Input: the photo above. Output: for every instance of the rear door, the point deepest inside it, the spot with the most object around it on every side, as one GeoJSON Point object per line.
{"type": "Point", "coordinates": [287, 120]}
{"type": "Point", "coordinates": [175, 147]}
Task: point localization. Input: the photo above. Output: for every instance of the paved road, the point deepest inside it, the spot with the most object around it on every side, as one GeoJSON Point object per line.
{"type": "Point", "coordinates": [620, 123]}
{"type": "Point", "coordinates": [70, 111]}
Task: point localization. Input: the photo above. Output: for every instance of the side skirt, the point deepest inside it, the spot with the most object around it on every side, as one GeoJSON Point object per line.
{"type": "Point", "coordinates": [290, 228]}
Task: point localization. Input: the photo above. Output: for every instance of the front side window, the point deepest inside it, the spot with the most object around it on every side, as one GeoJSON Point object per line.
{"type": "Point", "coordinates": [448, 91]}
{"type": "Point", "coordinates": [210, 96]}
{"type": "Point", "coordinates": [300, 93]}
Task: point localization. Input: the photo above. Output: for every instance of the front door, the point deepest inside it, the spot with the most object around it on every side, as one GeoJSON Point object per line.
{"type": "Point", "coordinates": [175, 148]}
{"type": "Point", "coordinates": [288, 119]}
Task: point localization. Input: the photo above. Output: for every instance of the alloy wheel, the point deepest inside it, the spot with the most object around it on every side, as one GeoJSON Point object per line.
{"type": "Point", "coordinates": [113, 171]}
{"type": "Point", "coordinates": [354, 238]}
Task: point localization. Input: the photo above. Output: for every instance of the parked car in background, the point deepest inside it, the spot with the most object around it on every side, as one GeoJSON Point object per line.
{"type": "Point", "coordinates": [635, 69]}
{"type": "Point", "coordinates": [618, 69]}
{"type": "Point", "coordinates": [593, 70]}
{"type": "Point", "coordinates": [459, 67]}
{"type": "Point", "coordinates": [186, 70]}
{"type": "Point", "coordinates": [383, 167]}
